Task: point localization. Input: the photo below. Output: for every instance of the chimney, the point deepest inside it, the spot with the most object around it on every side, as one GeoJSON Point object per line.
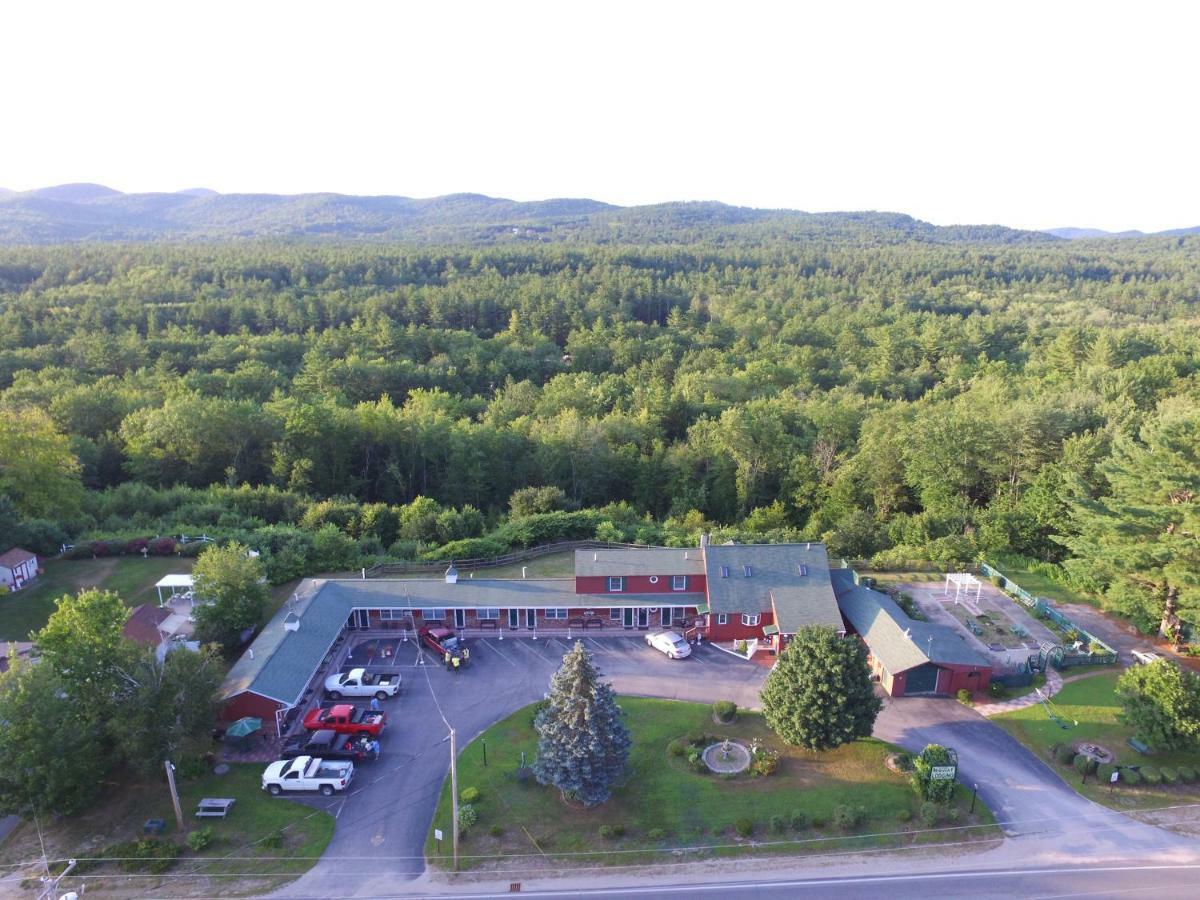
{"type": "Point", "coordinates": [595, 557]}
{"type": "Point", "coordinates": [703, 539]}
{"type": "Point", "coordinates": [524, 569]}
{"type": "Point", "coordinates": [685, 555]}
{"type": "Point", "coordinates": [451, 575]}
{"type": "Point", "coordinates": [808, 546]}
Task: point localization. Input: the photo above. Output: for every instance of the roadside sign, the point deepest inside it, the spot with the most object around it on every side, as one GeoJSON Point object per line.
{"type": "Point", "coordinates": [942, 773]}
{"type": "Point", "coordinates": [1114, 777]}
{"type": "Point", "coordinates": [437, 834]}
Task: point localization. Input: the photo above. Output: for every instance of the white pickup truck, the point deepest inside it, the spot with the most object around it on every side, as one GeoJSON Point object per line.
{"type": "Point", "coordinates": [306, 773]}
{"type": "Point", "coordinates": [361, 683]}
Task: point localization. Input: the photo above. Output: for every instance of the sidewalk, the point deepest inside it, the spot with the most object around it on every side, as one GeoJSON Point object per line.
{"type": "Point", "coordinates": [1054, 683]}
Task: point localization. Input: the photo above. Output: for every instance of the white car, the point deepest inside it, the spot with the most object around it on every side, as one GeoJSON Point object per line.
{"type": "Point", "coordinates": [361, 683]}
{"type": "Point", "coordinates": [670, 643]}
{"type": "Point", "coordinates": [1145, 657]}
{"type": "Point", "coordinates": [304, 773]}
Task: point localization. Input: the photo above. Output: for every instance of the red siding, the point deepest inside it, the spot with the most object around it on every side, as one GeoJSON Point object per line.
{"type": "Point", "coordinates": [637, 584]}
{"type": "Point", "coordinates": [734, 630]}
{"type": "Point", "coordinates": [248, 704]}
{"type": "Point", "coordinates": [959, 678]}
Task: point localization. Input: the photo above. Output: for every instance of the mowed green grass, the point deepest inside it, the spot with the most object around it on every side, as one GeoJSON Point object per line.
{"type": "Point", "coordinates": [242, 842]}
{"type": "Point", "coordinates": [133, 578]}
{"type": "Point", "coordinates": [692, 810]}
{"type": "Point", "coordinates": [1039, 585]}
{"type": "Point", "coordinates": [1092, 703]}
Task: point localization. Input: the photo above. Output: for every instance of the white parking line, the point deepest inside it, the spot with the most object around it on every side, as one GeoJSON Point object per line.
{"type": "Point", "coordinates": [600, 647]}
{"type": "Point", "coordinates": [525, 643]}
{"type": "Point", "coordinates": [503, 656]}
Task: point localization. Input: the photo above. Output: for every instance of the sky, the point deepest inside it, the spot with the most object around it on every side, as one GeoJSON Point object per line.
{"type": "Point", "coordinates": [1029, 114]}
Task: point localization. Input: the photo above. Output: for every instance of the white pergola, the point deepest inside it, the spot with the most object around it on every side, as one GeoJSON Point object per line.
{"type": "Point", "coordinates": [175, 583]}
{"type": "Point", "coordinates": [964, 584]}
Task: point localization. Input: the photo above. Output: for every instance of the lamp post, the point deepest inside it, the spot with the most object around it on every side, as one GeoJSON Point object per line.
{"type": "Point", "coordinates": [974, 794]}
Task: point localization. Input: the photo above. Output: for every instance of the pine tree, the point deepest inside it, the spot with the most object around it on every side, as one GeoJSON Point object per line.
{"type": "Point", "coordinates": [819, 695]}
{"type": "Point", "coordinates": [1140, 541]}
{"type": "Point", "coordinates": [583, 745]}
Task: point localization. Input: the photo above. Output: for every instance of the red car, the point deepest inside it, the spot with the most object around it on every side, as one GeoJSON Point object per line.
{"type": "Point", "coordinates": [345, 719]}
{"type": "Point", "coordinates": [442, 640]}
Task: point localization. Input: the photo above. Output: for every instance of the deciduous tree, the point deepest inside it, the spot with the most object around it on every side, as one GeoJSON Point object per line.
{"type": "Point", "coordinates": [1162, 703]}
{"type": "Point", "coordinates": [231, 595]}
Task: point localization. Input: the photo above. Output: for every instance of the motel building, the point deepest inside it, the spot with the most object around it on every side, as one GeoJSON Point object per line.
{"type": "Point", "coordinates": [725, 593]}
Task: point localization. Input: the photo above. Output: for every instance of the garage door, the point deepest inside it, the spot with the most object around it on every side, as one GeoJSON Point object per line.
{"type": "Point", "coordinates": [921, 680]}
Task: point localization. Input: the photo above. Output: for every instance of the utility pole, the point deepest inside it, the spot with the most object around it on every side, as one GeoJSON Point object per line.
{"type": "Point", "coordinates": [174, 793]}
{"type": "Point", "coordinates": [51, 882]}
{"type": "Point", "coordinates": [454, 794]}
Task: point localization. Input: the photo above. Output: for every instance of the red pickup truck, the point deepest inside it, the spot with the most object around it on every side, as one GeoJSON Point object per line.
{"type": "Point", "coordinates": [442, 640]}
{"type": "Point", "coordinates": [345, 719]}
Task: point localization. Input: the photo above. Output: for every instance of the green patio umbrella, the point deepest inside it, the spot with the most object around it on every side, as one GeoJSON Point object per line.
{"type": "Point", "coordinates": [244, 727]}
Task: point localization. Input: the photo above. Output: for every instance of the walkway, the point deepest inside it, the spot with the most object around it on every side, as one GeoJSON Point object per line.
{"type": "Point", "coordinates": [1054, 683]}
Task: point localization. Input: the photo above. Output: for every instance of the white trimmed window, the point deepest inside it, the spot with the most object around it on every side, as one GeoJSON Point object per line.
{"type": "Point", "coordinates": [749, 619]}
{"type": "Point", "coordinates": [393, 615]}
{"type": "Point", "coordinates": [433, 614]}
{"type": "Point", "coordinates": [555, 614]}
{"type": "Point", "coordinates": [616, 583]}
{"type": "Point", "coordinates": [679, 582]}
{"type": "Point", "coordinates": [722, 618]}
{"type": "Point", "coordinates": [615, 613]}
{"type": "Point", "coordinates": [491, 613]}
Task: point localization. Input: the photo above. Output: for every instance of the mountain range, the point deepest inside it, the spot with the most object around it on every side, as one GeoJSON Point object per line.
{"type": "Point", "coordinates": [1079, 234]}
{"type": "Point", "coordinates": [93, 212]}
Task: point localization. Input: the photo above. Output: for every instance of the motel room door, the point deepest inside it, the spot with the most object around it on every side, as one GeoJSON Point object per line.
{"type": "Point", "coordinates": [643, 617]}
{"type": "Point", "coordinates": [627, 617]}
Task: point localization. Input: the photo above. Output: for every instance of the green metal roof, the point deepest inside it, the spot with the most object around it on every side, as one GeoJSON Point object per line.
{"type": "Point", "coordinates": [770, 629]}
{"type": "Point", "coordinates": [774, 584]}
{"type": "Point", "coordinates": [898, 642]}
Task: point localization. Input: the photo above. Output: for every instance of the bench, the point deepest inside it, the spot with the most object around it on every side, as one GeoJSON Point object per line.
{"type": "Point", "coordinates": [1139, 746]}
{"type": "Point", "coordinates": [487, 623]}
{"type": "Point", "coordinates": [594, 622]}
{"type": "Point", "coordinates": [214, 807]}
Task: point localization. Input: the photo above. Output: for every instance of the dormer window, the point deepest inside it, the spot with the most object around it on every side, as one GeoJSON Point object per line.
{"type": "Point", "coordinates": [746, 571]}
{"type": "Point", "coordinates": [616, 583]}
{"type": "Point", "coordinates": [724, 571]}
{"type": "Point", "coordinates": [679, 582]}
{"type": "Point", "coordinates": [802, 569]}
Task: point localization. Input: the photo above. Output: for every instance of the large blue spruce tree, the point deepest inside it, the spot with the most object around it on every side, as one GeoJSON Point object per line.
{"type": "Point", "coordinates": [583, 746]}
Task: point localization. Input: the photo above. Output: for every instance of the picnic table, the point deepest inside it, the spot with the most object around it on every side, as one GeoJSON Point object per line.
{"type": "Point", "coordinates": [214, 807]}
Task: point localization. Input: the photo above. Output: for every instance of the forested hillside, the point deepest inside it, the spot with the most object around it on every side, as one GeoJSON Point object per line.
{"type": "Point", "coordinates": [892, 394]}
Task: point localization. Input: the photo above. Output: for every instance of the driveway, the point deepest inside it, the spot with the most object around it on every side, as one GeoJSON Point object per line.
{"type": "Point", "coordinates": [379, 839]}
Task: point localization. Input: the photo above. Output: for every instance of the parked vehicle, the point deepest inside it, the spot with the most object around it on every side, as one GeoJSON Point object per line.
{"type": "Point", "coordinates": [442, 640]}
{"type": "Point", "coordinates": [670, 643]}
{"type": "Point", "coordinates": [307, 773]}
{"type": "Point", "coordinates": [361, 683]}
{"type": "Point", "coordinates": [345, 719]}
{"type": "Point", "coordinates": [1145, 657]}
{"type": "Point", "coordinates": [328, 744]}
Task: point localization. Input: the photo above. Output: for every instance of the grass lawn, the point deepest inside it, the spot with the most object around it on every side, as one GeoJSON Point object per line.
{"type": "Point", "coordinates": [276, 839]}
{"type": "Point", "coordinates": [1093, 704]}
{"type": "Point", "coordinates": [1039, 585]}
{"type": "Point", "coordinates": [131, 577]}
{"type": "Point", "coordinates": [689, 810]}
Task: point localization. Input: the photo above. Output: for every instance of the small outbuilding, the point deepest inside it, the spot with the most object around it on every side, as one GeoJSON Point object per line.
{"type": "Point", "coordinates": [18, 567]}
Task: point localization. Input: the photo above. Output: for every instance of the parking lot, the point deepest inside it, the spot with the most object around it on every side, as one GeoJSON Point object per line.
{"type": "Point", "coordinates": [386, 813]}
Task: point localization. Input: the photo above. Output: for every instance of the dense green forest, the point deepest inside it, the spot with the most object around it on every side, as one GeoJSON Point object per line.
{"type": "Point", "coordinates": [336, 404]}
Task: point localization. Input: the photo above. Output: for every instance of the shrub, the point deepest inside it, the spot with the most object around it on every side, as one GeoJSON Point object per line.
{"type": "Point", "coordinates": [725, 710]}
{"type": "Point", "coordinates": [1084, 764]}
{"type": "Point", "coordinates": [818, 822]}
{"type": "Point", "coordinates": [848, 817]}
{"type": "Point", "coordinates": [964, 696]}
{"type": "Point", "coordinates": [469, 795]}
{"type": "Point", "coordinates": [1186, 774]}
{"type": "Point", "coordinates": [744, 827]}
{"type": "Point", "coordinates": [467, 816]}
{"type": "Point", "coordinates": [1104, 773]}
{"type": "Point", "coordinates": [524, 775]}
{"type": "Point", "coordinates": [778, 824]}
{"type": "Point", "coordinates": [765, 762]}
{"type": "Point", "coordinates": [200, 838]}
{"type": "Point", "coordinates": [677, 747]}
{"type": "Point", "coordinates": [606, 831]}
{"type": "Point", "coordinates": [904, 815]}
{"type": "Point", "coordinates": [1151, 775]}
{"type": "Point", "coordinates": [496, 830]}
{"type": "Point", "coordinates": [1131, 776]}
{"type": "Point", "coordinates": [996, 690]}
{"type": "Point", "coordinates": [929, 814]}
{"type": "Point", "coordinates": [1065, 754]}
{"type": "Point", "coordinates": [922, 780]}
{"type": "Point", "coordinates": [953, 815]}
{"type": "Point", "coordinates": [1169, 775]}
{"type": "Point", "coordinates": [272, 841]}
{"type": "Point", "coordinates": [798, 820]}
{"type": "Point", "coordinates": [146, 855]}
{"type": "Point", "coordinates": [657, 834]}
{"type": "Point", "coordinates": [696, 762]}
{"type": "Point", "coordinates": [742, 647]}
{"type": "Point", "coordinates": [619, 830]}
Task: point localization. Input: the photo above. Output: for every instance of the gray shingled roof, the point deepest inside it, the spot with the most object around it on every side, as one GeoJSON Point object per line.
{"type": "Point", "coordinates": [651, 561]}
{"type": "Point", "coordinates": [283, 661]}
{"type": "Point", "coordinates": [898, 642]}
{"type": "Point", "coordinates": [775, 583]}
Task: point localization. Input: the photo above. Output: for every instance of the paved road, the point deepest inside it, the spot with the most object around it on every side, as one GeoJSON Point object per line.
{"type": "Point", "coordinates": [378, 843]}
{"type": "Point", "coordinates": [382, 824]}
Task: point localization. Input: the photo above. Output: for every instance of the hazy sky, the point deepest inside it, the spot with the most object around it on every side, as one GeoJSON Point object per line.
{"type": "Point", "coordinates": [1030, 114]}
